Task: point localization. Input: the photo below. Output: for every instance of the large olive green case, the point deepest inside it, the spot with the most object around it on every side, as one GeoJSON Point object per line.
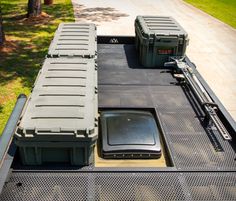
{"type": "Point", "coordinates": [157, 38]}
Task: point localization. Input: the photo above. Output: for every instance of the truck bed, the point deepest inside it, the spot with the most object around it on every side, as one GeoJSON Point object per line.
{"type": "Point", "coordinates": [202, 166]}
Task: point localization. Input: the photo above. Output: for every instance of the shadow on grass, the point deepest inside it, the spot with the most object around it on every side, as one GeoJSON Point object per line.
{"type": "Point", "coordinates": [97, 14]}
{"type": "Point", "coordinates": [31, 38]}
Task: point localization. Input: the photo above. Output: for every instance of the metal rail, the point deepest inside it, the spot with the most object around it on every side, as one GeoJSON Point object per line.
{"type": "Point", "coordinates": [199, 91]}
{"type": "Point", "coordinates": [7, 134]}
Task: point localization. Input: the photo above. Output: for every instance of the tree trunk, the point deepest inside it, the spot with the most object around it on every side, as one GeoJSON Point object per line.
{"type": "Point", "coordinates": [34, 8]}
{"type": "Point", "coordinates": [48, 2]}
{"type": "Point", "coordinates": [2, 36]}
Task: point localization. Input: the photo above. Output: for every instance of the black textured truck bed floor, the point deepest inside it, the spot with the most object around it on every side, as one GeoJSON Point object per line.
{"type": "Point", "coordinates": [123, 83]}
{"type": "Point", "coordinates": [204, 164]}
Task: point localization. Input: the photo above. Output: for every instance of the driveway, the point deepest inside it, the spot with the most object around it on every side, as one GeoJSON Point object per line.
{"type": "Point", "coordinates": [212, 43]}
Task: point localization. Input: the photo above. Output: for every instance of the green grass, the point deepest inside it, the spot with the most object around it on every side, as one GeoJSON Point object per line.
{"type": "Point", "coordinates": [224, 10]}
{"type": "Point", "coordinates": [25, 49]}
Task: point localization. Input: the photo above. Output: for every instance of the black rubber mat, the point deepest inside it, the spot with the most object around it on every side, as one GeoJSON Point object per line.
{"type": "Point", "coordinates": [123, 83]}
{"type": "Point", "coordinates": [204, 164]}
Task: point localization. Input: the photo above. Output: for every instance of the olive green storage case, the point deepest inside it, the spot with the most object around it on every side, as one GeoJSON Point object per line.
{"type": "Point", "coordinates": [157, 38]}
{"type": "Point", "coordinates": [59, 122]}
{"type": "Point", "coordinates": [74, 39]}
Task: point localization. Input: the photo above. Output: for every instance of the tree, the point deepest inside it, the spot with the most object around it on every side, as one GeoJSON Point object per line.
{"type": "Point", "coordinates": [34, 8]}
{"type": "Point", "coordinates": [2, 36]}
{"type": "Point", "coordinates": [48, 2]}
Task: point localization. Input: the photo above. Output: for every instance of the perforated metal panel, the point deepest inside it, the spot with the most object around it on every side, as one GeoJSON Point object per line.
{"type": "Point", "coordinates": [120, 186]}
{"type": "Point", "coordinates": [63, 100]}
{"type": "Point", "coordinates": [194, 147]}
{"type": "Point", "coordinates": [74, 39]}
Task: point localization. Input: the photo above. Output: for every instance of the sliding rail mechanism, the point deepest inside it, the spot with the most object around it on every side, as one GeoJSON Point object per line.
{"type": "Point", "coordinates": [209, 107]}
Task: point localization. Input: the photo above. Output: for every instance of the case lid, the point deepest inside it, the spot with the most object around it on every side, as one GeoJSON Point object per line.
{"type": "Point", "coordinates": [129, 132]}
{"type": "Point", "coordinates": [63, 101]}
{"type": "Point", "coordinates": [74, 39]}
{"type": "Point", "coordinates": [159, 25]}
